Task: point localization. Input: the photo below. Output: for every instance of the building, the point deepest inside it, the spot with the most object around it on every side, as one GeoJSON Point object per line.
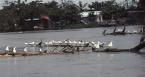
{"type": "Point", "coordinates": [91, 16]}
{"type": "Point", "coordinates": [40, 23]}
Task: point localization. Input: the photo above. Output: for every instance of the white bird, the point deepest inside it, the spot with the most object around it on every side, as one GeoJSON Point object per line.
{"type": "Point", "coordinates": [128, 31]}
{"type": "Point", "coordinates": [70, 42]}
{"type": "Point", "coordinates": [93, 42]}
{"type": "Point", "coordinates": [74, 42]}
{"type": "Point", "coordinates": [40, 50]}
{"type": "Point", "coordinates": [14, 50]}
{"type": "Point", "coordinates": [59, 42]}
{"type": "Point", "coordinates": [119, 30]}
{"type": "Point", "coordinates": [134, 31]}
{"type": "Point", "coordinates": [110, 44]}
{"type": "Point", "coordinates": [97, 45]}
{"type": "Point", "coordinates": [32, 43]}
{"type": "Point", "coordinates": [7, 48]}
{"type": "Point", "coordinates": [50, 43]}
{"type": "Point", "coordinates": [79, 42]}
{"type": "Point", "coordinates": [26, 43]}
{"type": "Point", "coordinates": [46, 43]}
{"type": "Point", "coordinates": [65, 42]}
{"type": "Point", "coordinates": [25, 49]}
{"type": "Point", "coordinates": [55, 42]}
{"type": "Point", "coordinates": [83, 43]}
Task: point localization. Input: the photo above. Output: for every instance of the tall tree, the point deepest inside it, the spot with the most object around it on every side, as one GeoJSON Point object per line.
{"type": "Point", "coordinates": [82, 6]}
{"type": "Point", "coordinates": [141, 4]}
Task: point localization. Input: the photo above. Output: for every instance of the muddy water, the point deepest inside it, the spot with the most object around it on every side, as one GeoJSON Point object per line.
{"type": "Point", "coordinates": [73, 65]}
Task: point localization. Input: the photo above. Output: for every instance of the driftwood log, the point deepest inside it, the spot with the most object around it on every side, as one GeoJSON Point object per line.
{"type": "Point", "coordinates": [120, 33]}
{"type": "Point", "coordinates": [135, 49]}
{"type": "Point", "coordinates": [138, 47]}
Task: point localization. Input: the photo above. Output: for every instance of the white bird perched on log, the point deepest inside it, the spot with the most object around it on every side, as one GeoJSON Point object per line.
{"type": "Point", "coordinates": [134, 31]}
{"type": "Point", "coordinates": [7, 48]}
{"type": "Point", "coordinates": [46, 43]}
{"type": "Point", "coordinates": [60, 42]}
{"type": "Point", "coordinates": [40, 50]}
{"type": "Point", "coordinates": [128, 31]}
{"type": "Point", "coordinates": [70, 42]}
{"type": "Point", "coordinates": [97, 45]}
{"type": "Point", "coordinates": [25, 49]}
{"type": "Point", "coordinates": [93, 42]}
{"type": "Point", "coordinates": [110, 44]}
{"type": "Point", "coordinates": [31, 43]}
{"type": "Point", "coordinates": [14, 50]}
{"type": "Point", "coordinates": [74, 42]}
{"type": "Point", "coordinates": [50, 43]}
{"type": "Point", "coordinates": [119, 30]}
{"type": "Point", "coordinates": [26, 43]}
{"type": "Point", "coordinates": [79, 42]}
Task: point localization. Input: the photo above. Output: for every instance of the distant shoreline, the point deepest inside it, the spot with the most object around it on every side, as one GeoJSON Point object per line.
{"type": "Point", "coordinates": [71, 27]}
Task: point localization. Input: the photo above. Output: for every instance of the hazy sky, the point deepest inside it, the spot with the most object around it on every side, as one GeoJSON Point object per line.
{"type": "Point", "coordinates": [76, 1]}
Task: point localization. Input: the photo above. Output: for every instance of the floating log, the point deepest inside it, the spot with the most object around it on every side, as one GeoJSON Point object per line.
{"type": "Point", "coordinates": [19, 54]}
{"type": "Point", "coordinates": [134, 49]}
{"type": "Point", "coordinates": [116, 33]}
{"type": "Point", "coordinates": [121, 33]}
{"type": "Point", "coordinates": [71, 49]}
{"type": "Point", "coordinates": [110, 50]}
{"type": "Point", "coordinates": [138, 47]}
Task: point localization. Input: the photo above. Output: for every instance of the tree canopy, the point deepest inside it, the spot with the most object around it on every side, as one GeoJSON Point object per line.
{"type": "Point", "coordinates": [13, 16]}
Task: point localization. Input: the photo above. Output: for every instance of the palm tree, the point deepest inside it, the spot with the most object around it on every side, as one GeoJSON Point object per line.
{"type": "Point", "coordinates": [82, 6]}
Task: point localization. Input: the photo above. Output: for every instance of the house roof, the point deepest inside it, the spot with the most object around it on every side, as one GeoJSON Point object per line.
{"type": "Point", "coordinates": [86, 14]}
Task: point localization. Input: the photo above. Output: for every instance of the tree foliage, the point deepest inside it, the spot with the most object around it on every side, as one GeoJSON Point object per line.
{"type": "Point", "coordinates": [12, 17]}
{"type": "Point", "coordinates": [16, 13]}
{"type": "Point", "coordinates": [109, 9]}
{"type": "Point", "coordinates": [141, 5]}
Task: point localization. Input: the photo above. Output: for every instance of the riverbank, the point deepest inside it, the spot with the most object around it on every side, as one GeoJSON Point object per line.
{"type": "Point", "coordinates": [72, 27]}
{"type": "Point", "coordinates": [95, 25]}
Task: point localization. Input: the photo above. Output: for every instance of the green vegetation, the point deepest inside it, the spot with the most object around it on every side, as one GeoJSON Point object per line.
{"type": "Point", "coordinates": [62, 15]}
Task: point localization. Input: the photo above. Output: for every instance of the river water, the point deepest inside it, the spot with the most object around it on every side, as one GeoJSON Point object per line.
{"type": "Point", "coordinates": [85, 64]}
